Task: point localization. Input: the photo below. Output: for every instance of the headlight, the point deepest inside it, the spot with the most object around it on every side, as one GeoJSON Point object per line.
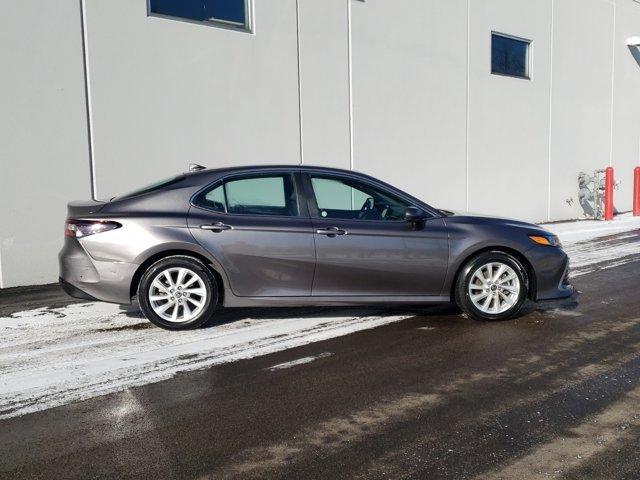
{"type": "Point", "coordinates": [546, 240]}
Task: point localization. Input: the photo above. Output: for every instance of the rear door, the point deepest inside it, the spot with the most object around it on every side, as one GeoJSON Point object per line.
{"type": "Point", "coordinates": [363, 245]}
{"type": "Point", "coordinates": [257, 226]}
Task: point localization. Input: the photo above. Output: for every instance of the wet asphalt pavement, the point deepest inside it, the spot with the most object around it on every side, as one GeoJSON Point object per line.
{"type": "Point", "coordinates": [553, 394]}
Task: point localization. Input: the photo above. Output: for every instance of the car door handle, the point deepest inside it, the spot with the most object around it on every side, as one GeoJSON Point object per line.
{"type": "Point", "coordinates": [331, 231]}
{"type": "Point", "coordinates": [216, 227]}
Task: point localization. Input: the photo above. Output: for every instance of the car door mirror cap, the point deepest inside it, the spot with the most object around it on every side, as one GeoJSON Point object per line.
{"type": "Point", "coordinates": [414, 215]}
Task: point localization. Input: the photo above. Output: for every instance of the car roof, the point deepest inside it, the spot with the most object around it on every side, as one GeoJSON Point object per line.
{"type": "Point", "coordinates": [223, 170]}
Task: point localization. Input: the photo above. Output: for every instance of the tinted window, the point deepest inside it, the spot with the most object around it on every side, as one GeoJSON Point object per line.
{"type": "Point", "coordinates": [350, 199]}
{"type": "Point", "coordinates": [257, 195]}
{"type": "Point", "coordinates": [509, 56]}
{"type": "Point", "coordinates": [213, 199]}
{"type": "Point", "coordinates": [225, 11]}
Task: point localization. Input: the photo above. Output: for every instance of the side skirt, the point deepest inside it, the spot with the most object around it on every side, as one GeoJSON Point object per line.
{"type": "Point", "coordinates": [233, 301]}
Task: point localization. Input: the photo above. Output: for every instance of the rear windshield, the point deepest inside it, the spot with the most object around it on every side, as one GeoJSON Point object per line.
{"type": "Point", "coordinates": [151, 188]}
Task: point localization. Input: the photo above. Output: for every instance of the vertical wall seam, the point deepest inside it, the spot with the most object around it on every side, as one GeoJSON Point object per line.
{"type": "Point", "coordinates": [1, 281]}
{"type": "Point", "coordinates": [613, 83]}
{"type": "Point", "coordinates": [467, 120]}
{"type": "Point", "coordinates": [350, 81]}
{"type": "Point", "coordinates": [300, 129]}
{"type": "Point", "coordinates": [550, 110]}
{"type": "Point", "coordinates": [87, 94]}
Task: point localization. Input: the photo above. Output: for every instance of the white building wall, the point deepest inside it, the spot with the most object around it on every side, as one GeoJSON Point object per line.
{"type": "Point", "coordinates": [43, 135]}
{"type": "Point", "coordinates": [167, 92]}
{"type": "Point", "coordinates": [509, 117]}
{"type": "Point", "coordinates": [427, 114]}
{"type": "Point", "coordinates": [410, 95]}
{"type": "Point", "coordinates": [626, 102]}
{"type": "Point", "coordinates": [581, 98]}
{"type": "Point", "coordinates": [324, 81]}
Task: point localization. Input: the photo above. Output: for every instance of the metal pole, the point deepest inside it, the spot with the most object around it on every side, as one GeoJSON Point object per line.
{"type": "Point", "coordinates": [87, 94]}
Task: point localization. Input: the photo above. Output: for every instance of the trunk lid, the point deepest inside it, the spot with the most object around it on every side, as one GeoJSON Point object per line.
{"type": "Point", "coordinates": [84, 208]}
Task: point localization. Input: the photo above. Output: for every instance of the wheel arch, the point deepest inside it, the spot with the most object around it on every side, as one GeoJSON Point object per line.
{"type": "Point", "coordinates": [137, 276]}
{"type": "Point", "coordinates": [531, 276]}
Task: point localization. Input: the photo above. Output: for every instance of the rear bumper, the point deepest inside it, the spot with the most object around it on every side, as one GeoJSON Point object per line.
{"type": "Point", "coordinates": [551, 267]}
{"type": "Point", "coordinates": [74, 292]}
{"type": "Point", "coordinates": [82, 276]}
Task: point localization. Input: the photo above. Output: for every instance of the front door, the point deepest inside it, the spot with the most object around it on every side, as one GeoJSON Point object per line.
{"type": "Point", "coordinates": [256, 226]}
{"type": "Point", "coordinates": [363, 245]}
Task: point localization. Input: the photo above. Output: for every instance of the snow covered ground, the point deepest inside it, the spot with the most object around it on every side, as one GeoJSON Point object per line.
{"type": "Point", "coordinates": [50, 357]}
{"type": "Point", "coordinates": [593, 244]}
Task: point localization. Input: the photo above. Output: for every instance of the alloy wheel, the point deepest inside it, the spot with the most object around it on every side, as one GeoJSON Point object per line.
{"type": "Point", "coordinates": [177, 295]}
{"type": "Point", "coordinates": [494, 288]}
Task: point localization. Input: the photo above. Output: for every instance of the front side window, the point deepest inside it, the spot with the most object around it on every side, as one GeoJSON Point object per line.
{"type": "Point", "coordinates": [509, 56]}
{"type": "Point", "coordinates": [258, 195]}
{"type": "Point", "coordinates": [345, 198]}
{"type": "Point", "coordinates": [228, 12]}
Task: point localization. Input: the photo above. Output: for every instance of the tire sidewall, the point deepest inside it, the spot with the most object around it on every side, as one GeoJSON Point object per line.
{"type": "Point", "coordinates": [172, 262]}
{"type": "Point", "coordinates": [463, 286]}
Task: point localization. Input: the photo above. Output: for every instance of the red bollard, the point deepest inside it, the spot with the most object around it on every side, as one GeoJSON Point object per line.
{"type": "Point", "coordinates": [636, 192]}
{"type": "Point", "coordinates": [608, 193]}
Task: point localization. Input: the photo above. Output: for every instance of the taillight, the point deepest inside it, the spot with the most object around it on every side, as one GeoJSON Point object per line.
{"type": "Point", "coordinates": [83, 228]}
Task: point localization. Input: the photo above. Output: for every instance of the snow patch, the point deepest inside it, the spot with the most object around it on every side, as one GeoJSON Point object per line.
{"type": "Point", "coordinates": [51, 357]}
{"type": "Point", "coordinates": [300, 361]}
{"type": "Point", "coordinates": [595, 245]}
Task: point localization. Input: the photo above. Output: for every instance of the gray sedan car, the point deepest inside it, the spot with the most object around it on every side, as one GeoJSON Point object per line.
{"type": "Point", "coordinates": [295, 236]}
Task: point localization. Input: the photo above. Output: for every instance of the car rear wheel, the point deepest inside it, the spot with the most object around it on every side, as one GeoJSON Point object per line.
{"type": "Point", "coordinates": [178, 293]}
{"type": "Point", "coordinates": [492, 286]}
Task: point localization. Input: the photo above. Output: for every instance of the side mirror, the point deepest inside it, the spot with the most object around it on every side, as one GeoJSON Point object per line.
{"type": "Point", "coordinates": [414, 215]}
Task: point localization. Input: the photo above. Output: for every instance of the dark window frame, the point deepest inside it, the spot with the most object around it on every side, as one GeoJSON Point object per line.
{"type": "Point", "coordinates": [528, 44]}
{"type": "Point", "coordinates": [246, 27]}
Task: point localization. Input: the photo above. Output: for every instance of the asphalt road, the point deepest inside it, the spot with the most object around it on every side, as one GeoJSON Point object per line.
{"type": "Point", "coordinates": [553, 394]}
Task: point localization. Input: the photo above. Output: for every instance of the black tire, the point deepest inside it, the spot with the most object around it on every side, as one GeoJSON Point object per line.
{"type": "Point", "coordinates": [462, 295]}
{"type": "Point", "coordinates": [179, 261]}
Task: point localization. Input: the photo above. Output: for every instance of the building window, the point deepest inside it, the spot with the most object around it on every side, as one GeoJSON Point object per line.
{"type": "Point", "coordinates": [229, 13]}
{"type": "Point", "coordinates": [509, 55]}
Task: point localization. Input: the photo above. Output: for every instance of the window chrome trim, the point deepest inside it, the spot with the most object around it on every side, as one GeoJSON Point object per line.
{"type": "Point", "coordinates": [246, 27]}
{"type": "Point", "coordinates": [529, 44]}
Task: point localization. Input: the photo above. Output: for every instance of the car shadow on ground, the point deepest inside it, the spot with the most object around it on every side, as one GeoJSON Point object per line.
{"type": "Point", "coordinates": [232, 315]}
{"type": "Point", "coordinates": [446, 312]}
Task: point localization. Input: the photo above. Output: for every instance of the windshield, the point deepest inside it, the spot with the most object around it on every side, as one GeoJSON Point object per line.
{"type": "Point", "coordinates": [150, 188]}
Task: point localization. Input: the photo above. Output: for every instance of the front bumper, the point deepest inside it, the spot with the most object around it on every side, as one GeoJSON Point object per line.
{"type": "Point", "coordinates": [551, 267]}
{"type": "Point", "coordinates": [82, 276]}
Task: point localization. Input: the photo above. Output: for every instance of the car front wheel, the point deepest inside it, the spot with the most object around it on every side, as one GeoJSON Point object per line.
{"type": "Point", "coordinates": [178, 293]}
{"type": "Point", "coordinates": [492, 286]}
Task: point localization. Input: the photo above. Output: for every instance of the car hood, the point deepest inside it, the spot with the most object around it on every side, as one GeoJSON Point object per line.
{"type": "Point", "coordinates": [469, 218]}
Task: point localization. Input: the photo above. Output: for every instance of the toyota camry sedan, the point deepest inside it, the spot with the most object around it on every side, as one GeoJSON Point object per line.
{"type": "Point", "coordinates": [297, 236]}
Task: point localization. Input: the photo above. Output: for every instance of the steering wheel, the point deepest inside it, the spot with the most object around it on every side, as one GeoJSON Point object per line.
{"type": "Point", "coordinates": [367, 206]}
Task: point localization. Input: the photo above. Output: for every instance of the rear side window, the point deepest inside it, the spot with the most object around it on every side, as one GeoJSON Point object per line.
{"type": "Point", "coordinates": [256, 195]}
